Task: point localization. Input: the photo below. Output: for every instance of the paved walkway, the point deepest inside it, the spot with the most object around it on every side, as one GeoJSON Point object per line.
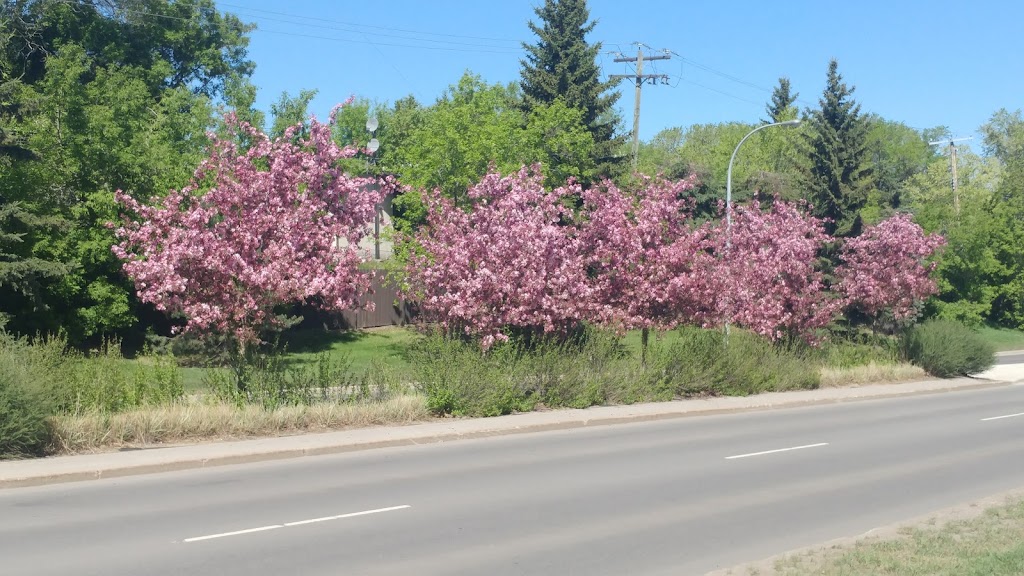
{"type": "Point", "coordinates": [160, 459]}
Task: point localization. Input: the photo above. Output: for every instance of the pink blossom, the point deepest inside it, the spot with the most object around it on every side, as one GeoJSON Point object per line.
{"type": "Point", "coordinates": [508, 263]}
{"type": "Point", "coordinates": [767, 278]}
{"type": "Point", "coordinates": [254, 229]}
{"type": "Point", "coordinates": [887, 268]}
{"type": "Point", "coordinates": [647, 264]}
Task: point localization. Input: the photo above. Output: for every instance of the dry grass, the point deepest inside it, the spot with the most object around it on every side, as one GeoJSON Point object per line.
{"type": "Point", "coordinates": [870, 374]}
{"type": "Point", "coordinates": [196, 421]}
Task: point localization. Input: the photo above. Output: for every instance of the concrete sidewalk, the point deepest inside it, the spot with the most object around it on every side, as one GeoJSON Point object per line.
{"type": "Point", "coordinates": [162, 459]}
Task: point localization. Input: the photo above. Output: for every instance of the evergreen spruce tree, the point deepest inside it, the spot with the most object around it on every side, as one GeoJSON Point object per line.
{"type": "Point", "coordinates": [562, 65]}
{"type": "Point", "coordinates": [781, 106]}
{"type": "Point", "coordinates": [837, 175]}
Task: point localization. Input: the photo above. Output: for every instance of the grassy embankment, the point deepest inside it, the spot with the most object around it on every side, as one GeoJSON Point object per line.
{"type": "Point", "coordinates": [987, 544]}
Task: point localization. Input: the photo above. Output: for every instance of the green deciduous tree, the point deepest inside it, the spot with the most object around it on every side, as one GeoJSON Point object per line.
{"type": "Point", "coordinates": [896, 152]}
{"type": "Point", "coordinates": [562, 65]}
{"type": "Point", "coordinates": [99, 95]}
{"type": "Point", "coordinates": [837, 176]}
{"type": "Point", "coordinates": [969, 271]}
{"type": "Point", "coordinates": [289, 111]}
{"type": "Point", "coordinates": [763, 165]}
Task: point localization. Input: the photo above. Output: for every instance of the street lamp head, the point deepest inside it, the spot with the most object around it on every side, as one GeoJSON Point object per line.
{"type": "Point", "coordinates": [371, 124]}
{"type": "Point", "coordinates": [791, 122]}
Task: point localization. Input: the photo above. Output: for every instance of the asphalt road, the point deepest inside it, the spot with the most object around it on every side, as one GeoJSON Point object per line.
{"type": "Point", "coordinates": [672, 497]}
{"type": "Point", "coordinates": [1010, 359]}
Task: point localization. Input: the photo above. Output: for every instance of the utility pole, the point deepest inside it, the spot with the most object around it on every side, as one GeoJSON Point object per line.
{"type": "Point", "coordinates": [640, 78]}
{"type": "Point", "coordinates": [952, 169]}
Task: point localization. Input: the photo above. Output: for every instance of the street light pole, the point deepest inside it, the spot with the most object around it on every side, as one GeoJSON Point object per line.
{"type": "Point", "coordinates": [728, 177]}
{"type": "Point", "coordinates": [372, 146]}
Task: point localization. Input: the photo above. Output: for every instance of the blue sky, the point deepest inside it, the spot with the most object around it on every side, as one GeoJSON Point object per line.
{"type": "Point", "coordinates": [922, 63]}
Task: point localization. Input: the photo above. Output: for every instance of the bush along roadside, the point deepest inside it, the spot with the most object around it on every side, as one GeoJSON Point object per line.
{"type": "Point", "coordinates": [945, 348]}
{"type": "Point", "coordinates": [54, 399]}
{"type": "Point", "coordinates": [459, 379]}
{"type": "Point", "coordinates": [24, 430]}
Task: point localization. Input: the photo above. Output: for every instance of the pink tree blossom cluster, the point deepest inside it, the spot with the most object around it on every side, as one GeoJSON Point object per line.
{"type": "Point", "coordinates": [255, 228]}
{"type": "Point", "coordinates": [647, 267]}
{"type": "Point", "coordinates": [520, 260]}
{"type": "Point", "coordinates": [887, 267]}
{"type": "Point", "coordinates": [767, 274]}
{"type": "Point", "coordinates": [509, 262]}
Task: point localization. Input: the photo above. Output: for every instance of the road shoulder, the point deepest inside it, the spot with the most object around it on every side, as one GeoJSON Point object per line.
{"type": "Point", "coordinates": [164, 459]}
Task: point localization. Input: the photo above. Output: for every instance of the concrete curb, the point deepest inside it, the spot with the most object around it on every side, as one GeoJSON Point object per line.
{"type": "Point", "coordinates": [22, 473]}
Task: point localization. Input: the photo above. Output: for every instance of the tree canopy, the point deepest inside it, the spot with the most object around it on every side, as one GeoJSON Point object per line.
{"type": "Point", "coordinates": [562, 66]}
{"type": "Point", "coordinates": [837, 176]}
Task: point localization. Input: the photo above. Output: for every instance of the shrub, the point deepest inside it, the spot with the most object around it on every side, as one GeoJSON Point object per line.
{"type": "Point", "coordinates": [103, 381]}
{"type": "Point", "coordinates": [460, 379]}
{"type": "Point", "coordinates": [702, 362]}
{"type": "Point", "coordinates": [23, 427]}
{"type": "Point", "coordinates": [857, 348]}
{"type": "Point", "coordinates": [944, 348]}
{"type": "Point", "coordinates": [23, 408]}
{"type": "Point", "coordinates": [596, 368]}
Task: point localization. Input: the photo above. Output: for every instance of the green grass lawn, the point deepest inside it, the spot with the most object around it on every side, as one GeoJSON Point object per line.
{"type": "Point", "coordinates": [361, 347]}
{"type": "Point", "coordinates": [1003, 338]}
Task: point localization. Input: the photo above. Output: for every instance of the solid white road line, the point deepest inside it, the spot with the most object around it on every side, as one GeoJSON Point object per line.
{"type": "Point", "coordinates": [1001, 417]}
{"type": "Point", "coordinates": [349, 515]}
{"type": "Point", "coordinates": [298, 523]}
{"type": "Point", "coordinates": [776, 451]}
{"type": "Point", "coordinates": [235, 533]}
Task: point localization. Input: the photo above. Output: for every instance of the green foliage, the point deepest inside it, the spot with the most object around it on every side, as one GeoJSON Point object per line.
{"type": "Point", "coordinates": [272, 379]}
{"type": "Point", "coordinates": [596, 368]}
{"type": "Point", "coordinates": [96, 97]}
{"type": "Point", "coordinates": [837, 176]}
{"type": "Point", "coordinates": [969, 272]}
{"type": "Point", "coordinates": [702, 362]}
{"type": "Point", "coordinates": [945, 349]}
{"type": "Point", "coordinates": [857, 349]}
{"type": "Point", "coordinates": [764, 164]}
{"type": "Point", "coordinates": [457, 379]}
{"type": "Point", "coordinates": [1008, 241]}
{"type": "Point", "coordinates": [23, 408]}
{"type": "Point", "coordinates": [473, 126]}
{"type": "Point", "coordinates": [897, 153]}
{"type": "Point", "coordinates": [781, 107]}
{"type": "Point", "coordinates": [289, 111]}
{"type": "Point", "coordinates": [1004, 135]}
{"type": "Point", "coordinates": [105, 381]}
{"type": "Point", "coordinates": [562, 66]}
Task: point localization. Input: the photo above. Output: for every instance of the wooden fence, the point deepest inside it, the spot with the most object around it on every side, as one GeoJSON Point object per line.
{"type": "Point", "coordinates": [389, 310]}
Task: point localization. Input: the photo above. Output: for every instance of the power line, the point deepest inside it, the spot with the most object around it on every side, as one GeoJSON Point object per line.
{"type": "Point", "coordinates": [477, 48]}
{"type": "Point", "coordinates": [369, 25]}
{"type": "Point", "coordinates": [349, 28]}
{"type": "Point", "coordinates": [336, 39]}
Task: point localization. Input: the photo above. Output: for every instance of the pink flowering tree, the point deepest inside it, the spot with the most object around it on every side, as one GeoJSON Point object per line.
{"type": "Point", "coordinates": [507, 265]}
{"type": "Point", "coordinates": [255, 228]}
{"type": "Point", "coordinates": [767, 279]}
{"type": "Point", "coordinates": [887, 269]}
{"type": "Point", "coordinates": [647, 267]}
